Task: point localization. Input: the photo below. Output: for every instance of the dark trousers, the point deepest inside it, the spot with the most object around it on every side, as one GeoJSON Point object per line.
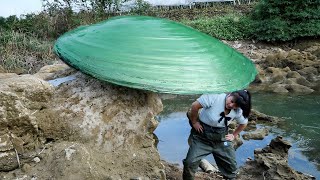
{"type": "Point", "coordinates": [209, 142]}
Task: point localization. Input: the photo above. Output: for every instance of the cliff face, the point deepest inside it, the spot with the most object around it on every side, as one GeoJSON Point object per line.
{"type": "Point", "coordinates": [81, 129]}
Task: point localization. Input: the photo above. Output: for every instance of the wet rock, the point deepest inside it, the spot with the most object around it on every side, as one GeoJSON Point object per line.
{"type": "Point", "coordinates": [262, 118]}
{"type": "Point", "coordinates": [237, 142]}
{"type": "Point", "coordinates": [252, 125]}
{"type": "Point", "coordinates": [297, 88]}
{"type": "Point", "coordinates": [271, 162]}
{"type": "Point", "coordinates": [316, 87]}
{"type": "Point", "coordinates": [261, 76]}
{"type": "Point", "coordinates": [279, 145]}
{"type": "Point", "coordinates": [279, 88]}
{"type": "Point", "coordinates": [312, 71]}
{"type": "Point", "coordinates": [302, 81]}
{"type": "Point", "coordinates": [277, 74]}
{"type": "Point", "coordinates": [258, 134]}
{"type": "Point", "coordinates": [289, 81]}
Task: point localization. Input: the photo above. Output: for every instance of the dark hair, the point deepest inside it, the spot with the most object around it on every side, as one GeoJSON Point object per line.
{"type": "Point", "coordinates": [243, 99]}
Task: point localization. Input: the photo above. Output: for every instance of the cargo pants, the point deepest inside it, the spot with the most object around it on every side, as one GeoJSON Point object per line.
{"type": "Point", "coordinates": [211, 141]}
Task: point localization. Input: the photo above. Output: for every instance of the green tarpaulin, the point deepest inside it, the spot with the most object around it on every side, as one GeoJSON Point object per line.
{"type": "Point", "coordinates": [155, 54]}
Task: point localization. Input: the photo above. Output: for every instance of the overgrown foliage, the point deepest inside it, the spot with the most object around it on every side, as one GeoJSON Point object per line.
{"type": "Point", "coordinates": [282, 20]}
{"type": "Point", "coordinates": [228, 27]}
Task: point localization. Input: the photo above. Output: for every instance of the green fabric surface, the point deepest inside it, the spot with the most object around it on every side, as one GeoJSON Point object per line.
{"type": "Point", "coordinates": [155, 54]}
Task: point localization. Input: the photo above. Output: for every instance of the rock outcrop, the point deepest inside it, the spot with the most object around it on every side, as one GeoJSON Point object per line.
{"type": "Point", "coordinates": [81, 129]}
{"type": "Point", "coordinates": [271, 162]}
{"type": "Point", "coordinates": [287, 70]}
{"type": "Point", "coordinates": [258, 134]}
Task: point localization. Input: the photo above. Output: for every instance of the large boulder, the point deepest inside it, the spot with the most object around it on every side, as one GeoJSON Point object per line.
{"type": "Point", "coordinates": [81, 129]}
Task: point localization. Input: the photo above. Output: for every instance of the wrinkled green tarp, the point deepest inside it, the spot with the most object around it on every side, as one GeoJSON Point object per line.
{"type": "Point", "coordinates": [155, 54]}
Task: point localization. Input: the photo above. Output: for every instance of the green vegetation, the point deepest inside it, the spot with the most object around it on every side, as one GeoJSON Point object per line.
{"type": "Point", "coordinates": [23, 53]}
{"type": "Point", "coordinates": [283, 20]}
{"type": "Point", "coordinates": [228, 27]}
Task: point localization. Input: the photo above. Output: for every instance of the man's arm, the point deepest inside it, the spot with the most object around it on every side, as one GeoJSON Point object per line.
{"type": "Point", "coordinates": [194, 116]}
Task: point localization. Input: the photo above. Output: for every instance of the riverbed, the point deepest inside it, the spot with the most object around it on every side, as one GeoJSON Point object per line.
{"type": "Point", "coordinates": [301, 127]}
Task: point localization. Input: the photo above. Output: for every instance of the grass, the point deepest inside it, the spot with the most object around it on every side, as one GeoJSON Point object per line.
{"type": "Point", "coordinates": [24, 53]}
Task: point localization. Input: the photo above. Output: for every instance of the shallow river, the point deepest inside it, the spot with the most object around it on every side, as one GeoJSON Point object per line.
{"type": "Point", "coordinates": [301, 128]}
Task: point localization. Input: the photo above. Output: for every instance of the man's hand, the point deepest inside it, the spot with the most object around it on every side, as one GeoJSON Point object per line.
{"type": "Point", "coordinates": [229, 137]}
{"type": "Point", "coordinates": [197, 126]}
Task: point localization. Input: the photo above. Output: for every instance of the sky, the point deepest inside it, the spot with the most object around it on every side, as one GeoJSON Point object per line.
{"type": "Point", "coordinates": [18, 7]}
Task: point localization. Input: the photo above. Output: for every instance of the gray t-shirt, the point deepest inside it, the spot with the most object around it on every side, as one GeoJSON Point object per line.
{"type": "Point", "coordinates": [213, 107]}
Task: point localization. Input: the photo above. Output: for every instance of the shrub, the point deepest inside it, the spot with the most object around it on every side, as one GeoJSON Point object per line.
{"type": "Point", "coordinates": [228, 27]}
{"type": "Point", "coordinates": [282, 20]}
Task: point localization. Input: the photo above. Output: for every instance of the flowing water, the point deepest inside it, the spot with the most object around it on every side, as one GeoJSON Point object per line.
{"type": "Point", "coordinates": [301, 128]}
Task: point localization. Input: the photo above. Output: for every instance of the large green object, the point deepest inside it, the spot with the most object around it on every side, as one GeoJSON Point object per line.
{"type": "Point", "coordinates": [155, 54]}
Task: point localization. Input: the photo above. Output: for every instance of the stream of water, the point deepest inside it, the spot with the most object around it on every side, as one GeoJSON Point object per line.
{"type": "Point", "coordinates": [301, 128]}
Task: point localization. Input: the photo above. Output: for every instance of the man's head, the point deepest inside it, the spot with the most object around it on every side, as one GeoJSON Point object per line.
{"type": "Point", "coordinates": [240, 99]}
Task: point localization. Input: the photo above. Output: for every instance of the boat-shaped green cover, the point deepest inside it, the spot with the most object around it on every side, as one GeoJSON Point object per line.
{"type": "Point", "coordinates": [155, 54]}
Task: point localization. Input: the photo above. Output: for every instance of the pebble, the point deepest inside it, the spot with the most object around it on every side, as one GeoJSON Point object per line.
{"type": "Point", "coordinates": [36, 159]}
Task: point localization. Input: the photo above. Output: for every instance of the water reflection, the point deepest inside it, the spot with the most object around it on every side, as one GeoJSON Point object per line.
{"type": "Point", "coordinates": [301, 128]}
{"type": "Point", "coordinates": [302, 116]}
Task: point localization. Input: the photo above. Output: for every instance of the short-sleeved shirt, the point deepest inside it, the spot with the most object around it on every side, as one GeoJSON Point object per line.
{"type": "Point", "coordinates": [212, 112]}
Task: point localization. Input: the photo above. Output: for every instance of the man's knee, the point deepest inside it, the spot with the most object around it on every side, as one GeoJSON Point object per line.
{"type": "Point", "coordinates": [191, 163]}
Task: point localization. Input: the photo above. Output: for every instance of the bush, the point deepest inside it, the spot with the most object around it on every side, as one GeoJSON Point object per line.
{"type": "Point", "coordinates": [282, 20]}
{"type": "Point", "coordinates": [228, 27]}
